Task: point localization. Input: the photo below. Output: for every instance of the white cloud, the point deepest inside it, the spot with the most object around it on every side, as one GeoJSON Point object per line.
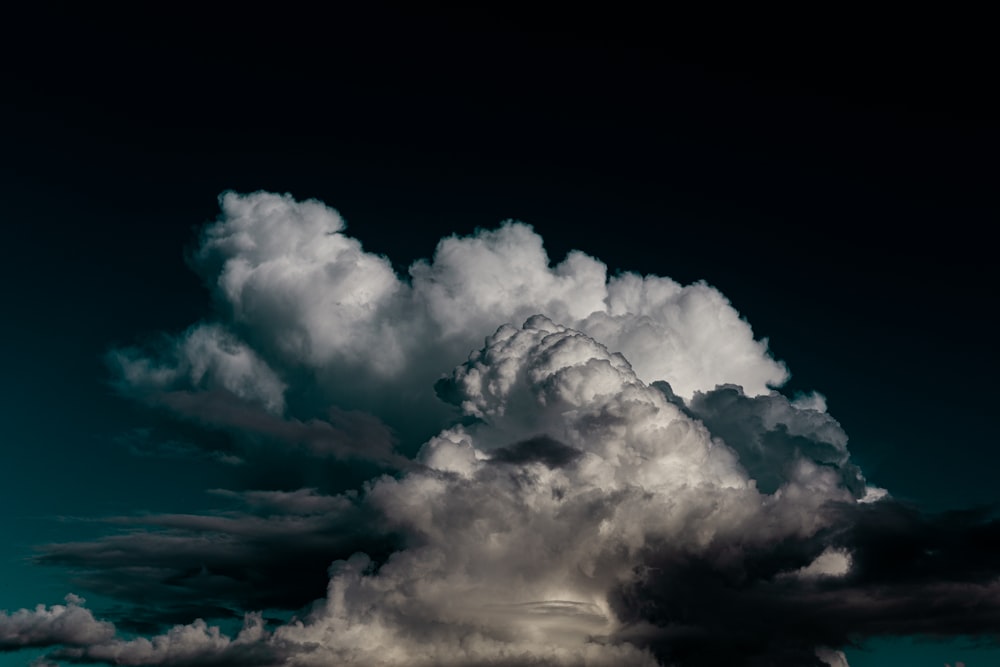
{"type": "Point", "coordinates": [830, 563]}
{"type": "Point", "coordinates": [192, 644]}
{"type": "Point", "coordinates": [285, 270]}
{"type": "Point", "coordinates": [689, 336]}
{"type": "Point", "coordinates": [295, 290]}
{"type": "Point", "coordinates": [567, 476]}
{"type": "Point", "coordinates": [513, 562]}
{"type": "Point", "coordinates": [70, 624]}
{"type": "Point", "coordinates": [873, 494]}
{"type": "Point", "coordinates": [832, 657]}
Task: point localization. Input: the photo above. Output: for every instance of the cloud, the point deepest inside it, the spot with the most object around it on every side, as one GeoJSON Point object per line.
{"type": "Point", "coordinates": [299, 300]}
{"type": "Point", "coordinates": [206, 357]}
{"type": "Point", "coordinates": [225, 561]}
{"type": "Point", "coordinates": [147, 442]}
{"type": "Point", "coordinates": [770, 433]}
{"type": "Point", "coordinates": [70, 624]}
{"type": "Point", "coordinates": [194, 644]}
{"type": "Point", "coordinates": [304, 502]}
{"type": "Point", "coordinates": [906, 574]}
{"type": "Point", "coordinates": [540, 465]}
{"type": "Point", "coordinates": [343, 434]}
{"type": "Point", "coordinates": [832, 657]}
{"type": "Point", "coordinates": [830, 563]}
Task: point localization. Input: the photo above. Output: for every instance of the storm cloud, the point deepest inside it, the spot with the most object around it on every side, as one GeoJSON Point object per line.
{"type": "Point", "coordinates": [562, 468]}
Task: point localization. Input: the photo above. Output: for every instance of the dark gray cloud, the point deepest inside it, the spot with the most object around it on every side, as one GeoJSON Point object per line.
{"type": "Point", "coordinates": [540, 449]}
{"type": "Point", "coordinates": [909, 573]}
{"type": "Point", "coordinates": [343, 434]}
{"type": "Point", "coordinates": [276, 557]}
{"type": "Point", "coordinates": [150, 442]}
{"type": "Point", "coordinates": [769, 433]}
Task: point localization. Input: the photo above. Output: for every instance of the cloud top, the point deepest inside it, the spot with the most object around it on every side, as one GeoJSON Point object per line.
{"type": "Point", "coordinates": [292, 285]}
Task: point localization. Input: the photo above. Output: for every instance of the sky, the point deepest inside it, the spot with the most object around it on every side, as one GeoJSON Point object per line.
{"type": "Point", "coordinates": [486, 337]}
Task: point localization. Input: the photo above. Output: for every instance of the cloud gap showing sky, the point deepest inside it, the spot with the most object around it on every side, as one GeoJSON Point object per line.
{"type": "Point", "coordinates": [494, 460]}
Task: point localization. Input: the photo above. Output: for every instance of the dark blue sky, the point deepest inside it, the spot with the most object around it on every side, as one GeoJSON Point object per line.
{"type": "Point", "coordinates": [835, 180]}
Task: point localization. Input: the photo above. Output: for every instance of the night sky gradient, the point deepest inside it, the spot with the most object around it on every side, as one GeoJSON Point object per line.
{"type": "Point", "coordinates": [832, 175]}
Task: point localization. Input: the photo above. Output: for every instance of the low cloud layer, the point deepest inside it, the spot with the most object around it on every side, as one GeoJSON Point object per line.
{"type": "Point", "coordinates": [559, 468]}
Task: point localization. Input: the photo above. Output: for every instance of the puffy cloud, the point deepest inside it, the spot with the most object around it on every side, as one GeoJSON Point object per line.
{"type": "Point", "coordinates": [70, 623]}
{"type": "Point", "coordinates": [194, 644]}
{"type": "Point", "coordinates": [297, 295]}
{"type": "Point", "coordinates": [84, 639]}
{"type": "Point", "coordinates": [689, 336]}
{"type": "Point", "coordinates": [286, 270]}
{"type": "Point", "coordinates": [771, 434]}
{"type": "Point", "coordinates": [548, 379]}
{"type": "Point", "coordinates": [609, 477]}
{"type": "Point", "coordinates": [514, 544]}
{"type": "Point", "coordinates": [830, 563]}
{"type": "Point", "coordinates": [395, 619]}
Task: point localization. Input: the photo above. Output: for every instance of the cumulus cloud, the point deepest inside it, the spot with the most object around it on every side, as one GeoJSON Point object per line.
{"type": "Point", "coordinates": [563, 468]}
{"type": "Point", "coordinates": [70, 623]}
{"type": "Point", "coordinates": [772, 433]}
{"type": "Point", "coordinates": [296, 295]}
{"type": "Point", "coordinates": [516, 542]}
{"type": "Point", "coordinates": [196, 643]}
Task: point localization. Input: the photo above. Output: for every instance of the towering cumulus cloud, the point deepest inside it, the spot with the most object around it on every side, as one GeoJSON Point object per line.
{"type": "Point", "coordinates": [508, 463]}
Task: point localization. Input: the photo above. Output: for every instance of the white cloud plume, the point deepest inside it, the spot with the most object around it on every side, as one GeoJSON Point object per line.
{"type": "Point", "coordinates": [303, 294]}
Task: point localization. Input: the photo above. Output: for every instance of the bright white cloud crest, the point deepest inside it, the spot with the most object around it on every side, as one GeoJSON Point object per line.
{"type": "Point", "coordinates": [569, 469]}
{"type": "Point", "coordinates": [307, 294]}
